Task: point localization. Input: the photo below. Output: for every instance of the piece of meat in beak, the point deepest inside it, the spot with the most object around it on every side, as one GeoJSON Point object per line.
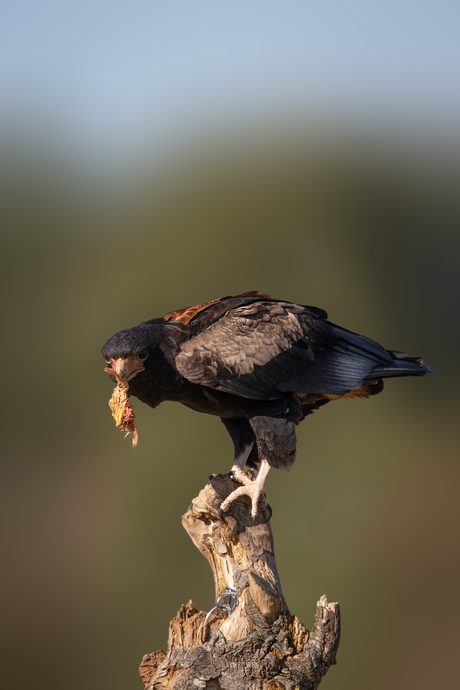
{"type": "Point", "coordinates": [124, 369]}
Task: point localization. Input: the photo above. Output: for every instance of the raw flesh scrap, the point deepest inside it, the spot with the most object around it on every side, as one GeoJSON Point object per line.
{"type": "Point", "coordinates": [122, 410]}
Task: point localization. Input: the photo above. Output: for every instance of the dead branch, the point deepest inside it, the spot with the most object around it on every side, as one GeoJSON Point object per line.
{"type": "Point", "coordinates": [260, 645]}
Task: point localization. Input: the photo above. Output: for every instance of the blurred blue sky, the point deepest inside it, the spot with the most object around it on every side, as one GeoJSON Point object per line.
{"type": "Point", "coordinates": [108, 73]}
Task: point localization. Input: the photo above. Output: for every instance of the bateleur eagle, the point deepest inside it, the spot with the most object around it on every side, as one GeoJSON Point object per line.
{"type": "Point", "coordinates": [260, 364]}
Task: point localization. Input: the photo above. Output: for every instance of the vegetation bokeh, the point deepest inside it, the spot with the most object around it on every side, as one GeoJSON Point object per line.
{"type": "Point", "coordinates": [95, 561]}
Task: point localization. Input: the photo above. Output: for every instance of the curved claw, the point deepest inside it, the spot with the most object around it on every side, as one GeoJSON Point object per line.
{"type": "Point", "coordinates": [270, 510]}
{"type": "Point", "coordinates": [253, 490]}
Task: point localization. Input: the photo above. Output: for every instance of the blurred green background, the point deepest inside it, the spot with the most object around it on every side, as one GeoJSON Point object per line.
{"type": "Point", "coordinates": [359, 217]}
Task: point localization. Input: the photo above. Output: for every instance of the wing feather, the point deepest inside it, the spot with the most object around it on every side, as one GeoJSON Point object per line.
{"type": "Point", "coordinates": [262, 349]}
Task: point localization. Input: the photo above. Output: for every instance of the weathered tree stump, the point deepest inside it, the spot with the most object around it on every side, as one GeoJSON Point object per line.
{"type": "Point", "coordinates": [260, 645]}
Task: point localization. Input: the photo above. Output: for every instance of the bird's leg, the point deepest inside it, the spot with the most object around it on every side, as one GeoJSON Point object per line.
{"type": "Point", "coordinates": [253, 488]}
{"type": "Point", "coordinates": [238, 464]}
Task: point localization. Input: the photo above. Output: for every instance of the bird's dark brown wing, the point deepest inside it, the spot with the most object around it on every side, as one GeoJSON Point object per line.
{"type": "Point", "coordinates": [263, 348]}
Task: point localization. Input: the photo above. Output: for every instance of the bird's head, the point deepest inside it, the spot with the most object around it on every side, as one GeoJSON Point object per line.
{"type": "Point", "coordinates": [126, 353]}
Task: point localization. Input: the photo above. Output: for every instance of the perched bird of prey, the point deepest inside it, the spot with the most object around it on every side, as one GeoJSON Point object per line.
{"type": "Point", "coordinates": [260, 364]}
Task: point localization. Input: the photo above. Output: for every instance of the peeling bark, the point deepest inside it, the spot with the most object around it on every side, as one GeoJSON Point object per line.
{"type": "Point", "coordinates": [260, 645]}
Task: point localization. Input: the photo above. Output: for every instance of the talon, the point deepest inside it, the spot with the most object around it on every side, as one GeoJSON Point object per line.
{"type": "Point", "coordinates": [254, 488]}
{"type": "Point", "coordinates": [252, 491]}
{"type": "Point", "coordinates": [270, 510]}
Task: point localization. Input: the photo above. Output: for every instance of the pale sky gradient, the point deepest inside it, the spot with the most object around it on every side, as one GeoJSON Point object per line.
{"type": "Point", "coordinates": [109, 72]}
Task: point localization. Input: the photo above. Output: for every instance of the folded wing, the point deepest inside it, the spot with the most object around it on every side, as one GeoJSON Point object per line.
{"type": "Point", "coordinates": [262, 349]}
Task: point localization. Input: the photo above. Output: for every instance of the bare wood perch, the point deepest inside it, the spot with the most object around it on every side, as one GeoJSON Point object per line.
{"type": "Point", "coordinates": [260, 645]}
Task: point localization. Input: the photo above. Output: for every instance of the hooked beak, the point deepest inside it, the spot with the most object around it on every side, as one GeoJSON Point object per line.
{"type": "Point", "coordinates": [125, 369]}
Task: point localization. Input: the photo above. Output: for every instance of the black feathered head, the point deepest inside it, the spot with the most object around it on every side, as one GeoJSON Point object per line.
{"type": "Point", "coordinates": [126, 351]}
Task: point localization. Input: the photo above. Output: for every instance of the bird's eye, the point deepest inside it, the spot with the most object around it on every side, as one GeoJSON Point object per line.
{"type": "Point", "coordinates": [107, 359]}
{"type": "Point", "coordinates": [142, 355]}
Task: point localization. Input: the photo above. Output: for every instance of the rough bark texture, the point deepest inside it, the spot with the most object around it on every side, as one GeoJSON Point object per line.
{"type": "Point", "coordinates": [260, 645]}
